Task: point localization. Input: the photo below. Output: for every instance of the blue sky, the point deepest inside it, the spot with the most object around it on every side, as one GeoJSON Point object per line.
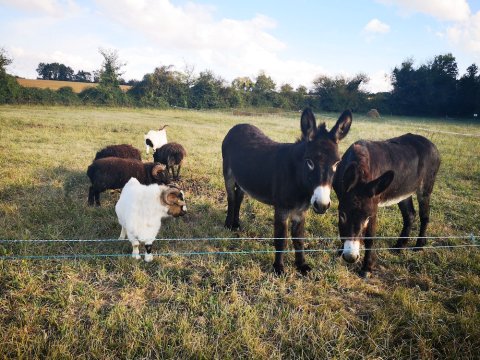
{"type": "Point", "coordinates": [291, 41]}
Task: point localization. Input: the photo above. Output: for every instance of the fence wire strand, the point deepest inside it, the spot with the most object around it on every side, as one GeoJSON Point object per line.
{"type": "Point", "coordinates": [238, 252]}
{"type": "Point", "coordinates": [239, 238]}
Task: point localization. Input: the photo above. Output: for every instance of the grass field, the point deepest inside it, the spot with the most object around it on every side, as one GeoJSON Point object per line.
{"type": "Point", "coordinates": [417, 305]}
{"type": "Point", "coordinates": [56, 84]}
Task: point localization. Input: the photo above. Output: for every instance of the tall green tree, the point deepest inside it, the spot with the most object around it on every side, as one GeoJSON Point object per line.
{"type": "Point", "coordinates": [206, 93]}
{"type": "Point", "coordinates": [468, 95]}
{"type": "Point", "coordinates": [263, 92]}
{"type": "Point", "coordinates": [162, 88]}
{"type": "Point", "coordinates": [55, 71]}
{"type": "Point", "coordinates": [339, 93]}
{"type": "Point", "coordinates": [9, 88]}
{"type": "Point", "coordinates": [111, 69]}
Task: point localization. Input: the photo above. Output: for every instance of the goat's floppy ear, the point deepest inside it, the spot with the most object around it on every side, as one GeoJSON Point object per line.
{"type": "Point", "coordinates": [308, 125]}
{"type": "Point", "coordinates": [157, 170]}
{"type": "Point", "coordinates": [341, 128]}
{"type": "Point", "coordinates": [380, 184]}
{"type": "Point", "coordinates": [350, 177]}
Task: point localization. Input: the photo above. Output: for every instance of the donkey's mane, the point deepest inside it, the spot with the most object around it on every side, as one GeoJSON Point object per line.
{"type": "Point", "coordinates": [320, 133]}
{"type": "Point", "coordinates": [363, 160]}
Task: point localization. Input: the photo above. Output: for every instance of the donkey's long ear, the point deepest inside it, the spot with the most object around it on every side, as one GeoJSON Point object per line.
{"type": "Point", "coordinates": [350, 177]}
{"type": "Point", "coordinates": [341, 128]}
{"type": "Point", "coordinates": [308, 125]}
{"type": "Point", "coordinates": [380, 184]}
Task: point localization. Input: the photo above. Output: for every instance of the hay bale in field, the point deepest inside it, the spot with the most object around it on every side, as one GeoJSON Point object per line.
{"type": "Point", "coordinates": [373, 113]}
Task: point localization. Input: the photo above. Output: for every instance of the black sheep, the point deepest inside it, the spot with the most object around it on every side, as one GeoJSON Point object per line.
{"type": "Point", "coordinates": [114, 173]}
{"type": "Point", "coordinates": [124, 151]}
{"type": "Point", "coordinates": [171, 154]}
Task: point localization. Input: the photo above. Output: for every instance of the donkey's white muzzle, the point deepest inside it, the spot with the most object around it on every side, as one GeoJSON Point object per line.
{"type": "Point", "coordinates": [351, 251]}
{"type": "Point", "coordinates": [321, 199]}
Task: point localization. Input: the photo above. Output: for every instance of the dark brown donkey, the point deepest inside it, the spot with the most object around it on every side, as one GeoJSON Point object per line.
{"type": "Point", "coordinates": [291, 177]}
{"type": "Point", "coordinates": [383, 173]}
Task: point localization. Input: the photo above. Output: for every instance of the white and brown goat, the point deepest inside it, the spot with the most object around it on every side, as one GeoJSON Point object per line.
{"type": "Point", "coordinates": [140, 211]}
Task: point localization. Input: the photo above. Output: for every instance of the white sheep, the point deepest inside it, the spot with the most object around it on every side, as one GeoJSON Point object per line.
{"type": "Point", "coordinates": [155, 139]}
{"type": "Point", "coordinates": [140, 211]}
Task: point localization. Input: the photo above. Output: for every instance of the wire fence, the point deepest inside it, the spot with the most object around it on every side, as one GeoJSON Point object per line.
{"type": "Point", "coordinates": [469, 236]}
{"type": "Point", "coordinates": [472, 245]}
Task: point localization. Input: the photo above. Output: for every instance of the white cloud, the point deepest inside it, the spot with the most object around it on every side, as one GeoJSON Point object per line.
{"type": "Point", "coordinates": [379, 82]}
{"type": "Point", "coordinates": [191, 34]}
{"type": "Point", "coordinates": [449, 10]}
{"type": "Point", "coordinates": [57, 8]}
{"type": "Point", "coordinates": [150, 33]}
{"type": "Point", "coordinates": [190, 26]}
{"type": "Point", "coordinates": [463, 29]}
{"type": "Point", "coordinates": [466, 35]}
{"type": "Point", "coordinates": [375, 26]}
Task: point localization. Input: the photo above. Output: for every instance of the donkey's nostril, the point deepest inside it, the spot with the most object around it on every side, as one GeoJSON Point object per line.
{"type": "Point", "coordinates": [320, 208]}
{"type": "Point", "coordinates": [350, 258]}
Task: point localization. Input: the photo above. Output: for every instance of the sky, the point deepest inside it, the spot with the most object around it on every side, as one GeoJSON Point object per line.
{"type": "Point", "coordinates": [292, 41]}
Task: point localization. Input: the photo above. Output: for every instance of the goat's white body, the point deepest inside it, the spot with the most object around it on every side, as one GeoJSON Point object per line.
{"type": "Point", "coordinates": [140, 212]}
{"type": "Point", "coordinates": [157, 137]}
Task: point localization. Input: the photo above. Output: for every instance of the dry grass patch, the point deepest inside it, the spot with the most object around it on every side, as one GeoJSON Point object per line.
{"type": "Point", "coordinates": [418, 305]}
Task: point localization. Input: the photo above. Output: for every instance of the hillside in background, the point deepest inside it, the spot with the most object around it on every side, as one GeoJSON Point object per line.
{"type": "Point", "coordinates": [55, 84]}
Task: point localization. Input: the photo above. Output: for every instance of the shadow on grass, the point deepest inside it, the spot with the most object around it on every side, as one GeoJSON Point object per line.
{"type": "Point", "coordinates": [57, 209]}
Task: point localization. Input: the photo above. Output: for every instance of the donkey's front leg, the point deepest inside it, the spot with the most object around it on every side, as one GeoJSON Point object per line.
{"type": "Point", "coordinates": [298, 233]}
{"type": "Point", "coordinates": [370, 257]}
{"type": "Point", "coordinates": [280, 234]}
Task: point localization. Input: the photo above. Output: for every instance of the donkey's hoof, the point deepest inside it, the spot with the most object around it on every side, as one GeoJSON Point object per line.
{"type": "Point", "coordinates": [304, 269]}
{"type": "Point", "coordinates": [365, 275]}
{"type": "Point", "coordinates": [232, 226]}
{"type": "Point", "coordinates": [278, 269]}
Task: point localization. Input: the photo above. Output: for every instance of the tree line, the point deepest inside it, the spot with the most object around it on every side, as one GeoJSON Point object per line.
{"type": "Point", "coordinates": [431, 89]}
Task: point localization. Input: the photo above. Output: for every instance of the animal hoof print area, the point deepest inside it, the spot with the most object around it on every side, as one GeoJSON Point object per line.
{"type": "Point", "coordinates": [304, 269]}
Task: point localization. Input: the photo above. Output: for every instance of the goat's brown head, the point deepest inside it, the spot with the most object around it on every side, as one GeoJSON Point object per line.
{"type": "Point", "coordinates": [159, 174]}
{"type": "Point", "coordinates": [174, 199]}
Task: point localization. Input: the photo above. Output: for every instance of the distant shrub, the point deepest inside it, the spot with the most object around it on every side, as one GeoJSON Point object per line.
{"type": "Point", "coordinates": [108, 96]}
{"type": "Point", "coordinates": [37, 96]}
{"type": "Point", "coordinates": [66, 96]}
{"type": "Point", "coordinates": [9, 89]}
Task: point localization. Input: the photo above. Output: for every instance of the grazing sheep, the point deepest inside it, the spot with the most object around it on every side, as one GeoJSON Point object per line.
{"type": "Point", "coordinates": [114, 173]}
{"type": "Point", "coordinates": [171, 154]}
{"type": "Point", "coordinates": [155, 138]}
{"type": "Point", "coordinates": [123, 151]}
{"type": "Point", "coordinates": [140, 211]}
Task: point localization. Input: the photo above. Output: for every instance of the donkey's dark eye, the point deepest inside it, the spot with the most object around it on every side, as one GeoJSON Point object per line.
{"type": "Point", "coordinates": [342, 217]}
{"type": "Point", "coordinates": [310, 164]}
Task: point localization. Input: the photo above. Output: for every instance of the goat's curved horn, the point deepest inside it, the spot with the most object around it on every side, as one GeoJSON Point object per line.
{"type": "Point", "coordinates": [158, 169]}
{"type": "Point", "coordinates": [167, 199]}
{"type": "Point", "coordinates": [163, 127]}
